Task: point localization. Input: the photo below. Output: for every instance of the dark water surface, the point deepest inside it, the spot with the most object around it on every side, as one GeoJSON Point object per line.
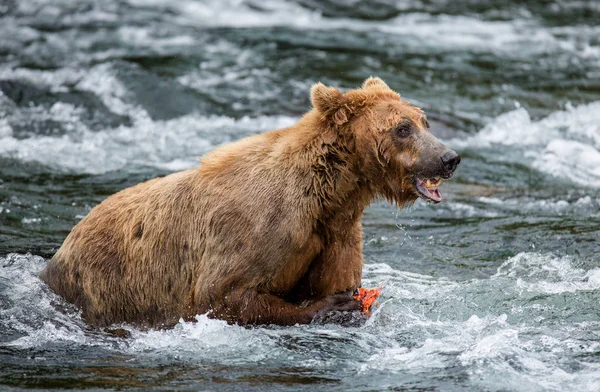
{"type": "Point", "coordinates": [497, 288]}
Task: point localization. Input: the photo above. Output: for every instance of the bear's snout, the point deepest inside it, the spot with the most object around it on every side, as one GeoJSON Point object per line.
{"type": "Point", "coordinates": [450, 161]}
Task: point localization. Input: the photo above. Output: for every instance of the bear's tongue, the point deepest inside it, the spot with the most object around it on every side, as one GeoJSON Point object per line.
{"type": "Point", "coordinates": [434, 194]}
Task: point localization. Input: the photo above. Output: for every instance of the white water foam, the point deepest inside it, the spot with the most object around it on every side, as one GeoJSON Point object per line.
{"type": "Point", "coordinates": [172, 144]}
{"type": "Point", "coordinates": [492, 329]}
{"type": "Point", "coordinates": [417, 30]}
{"type": "Point", "coordinates": [30, 311]}
{"type": "Point", "coordinates": [546, 274]}
{"type": "Point", "coordinates": [205, 336]}
{"type": "Point", "coordinates": [587, 206]}
{"type": "Point", "coordinates": [565, 144]}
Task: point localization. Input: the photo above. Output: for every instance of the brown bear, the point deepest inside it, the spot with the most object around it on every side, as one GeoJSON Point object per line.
{"type": "Point", "coordinates": [266, 231]}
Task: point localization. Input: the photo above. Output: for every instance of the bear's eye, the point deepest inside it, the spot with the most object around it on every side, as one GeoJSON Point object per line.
{"type": "Point", "coordinates": [403, 130]}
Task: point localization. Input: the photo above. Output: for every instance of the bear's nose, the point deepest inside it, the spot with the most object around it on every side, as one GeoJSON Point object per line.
{"type": "Point", "coordinates": [450, 160]}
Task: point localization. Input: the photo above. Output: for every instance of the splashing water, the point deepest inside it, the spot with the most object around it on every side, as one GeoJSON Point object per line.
{"type": "Point", "coordinates": [509, 328]}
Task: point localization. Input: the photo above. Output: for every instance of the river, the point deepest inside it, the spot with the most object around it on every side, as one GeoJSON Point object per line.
{"type": "Point", "coordinates": [495, 289]}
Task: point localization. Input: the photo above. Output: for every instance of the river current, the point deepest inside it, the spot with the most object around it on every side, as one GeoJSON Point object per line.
{"type": "Point", "coordinates": [495, 289]}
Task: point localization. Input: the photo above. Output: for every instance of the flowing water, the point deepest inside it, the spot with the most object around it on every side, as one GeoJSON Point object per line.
{"type": "Point", "coordinates": [497, 288]}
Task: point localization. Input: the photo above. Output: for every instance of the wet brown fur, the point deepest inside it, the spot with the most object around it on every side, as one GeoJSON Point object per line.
{"type": "Point", "coordinates": [263, 225]}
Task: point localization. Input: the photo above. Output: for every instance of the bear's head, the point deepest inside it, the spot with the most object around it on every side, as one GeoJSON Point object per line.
{"type": "Point", "coordinates": [396, 153]}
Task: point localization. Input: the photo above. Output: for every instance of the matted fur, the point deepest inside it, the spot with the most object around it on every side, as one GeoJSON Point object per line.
{"type": "Point", "coordinates": [263, 225]}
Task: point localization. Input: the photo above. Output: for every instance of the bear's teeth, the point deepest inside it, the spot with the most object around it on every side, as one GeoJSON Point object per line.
{"type": "Point", "coordinates": [431, 183]}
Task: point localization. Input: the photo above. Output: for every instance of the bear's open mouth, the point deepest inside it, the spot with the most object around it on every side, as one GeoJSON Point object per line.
{"type": "Point", "coordinates": [428, 189]}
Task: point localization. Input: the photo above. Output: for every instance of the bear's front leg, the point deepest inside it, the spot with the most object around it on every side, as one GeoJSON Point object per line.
{"type": "Point", "coordinates": [338, 268]}
{"type": "Point", "coordinates": [250, 307]}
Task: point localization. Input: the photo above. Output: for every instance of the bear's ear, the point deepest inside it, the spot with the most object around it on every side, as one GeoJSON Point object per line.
{"type": "Point", "coordinates": [374, 82]}
{"type": "Point", "coordinates": [325, 99]}
{"type": "Point", "coordinates": [329, 102]}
